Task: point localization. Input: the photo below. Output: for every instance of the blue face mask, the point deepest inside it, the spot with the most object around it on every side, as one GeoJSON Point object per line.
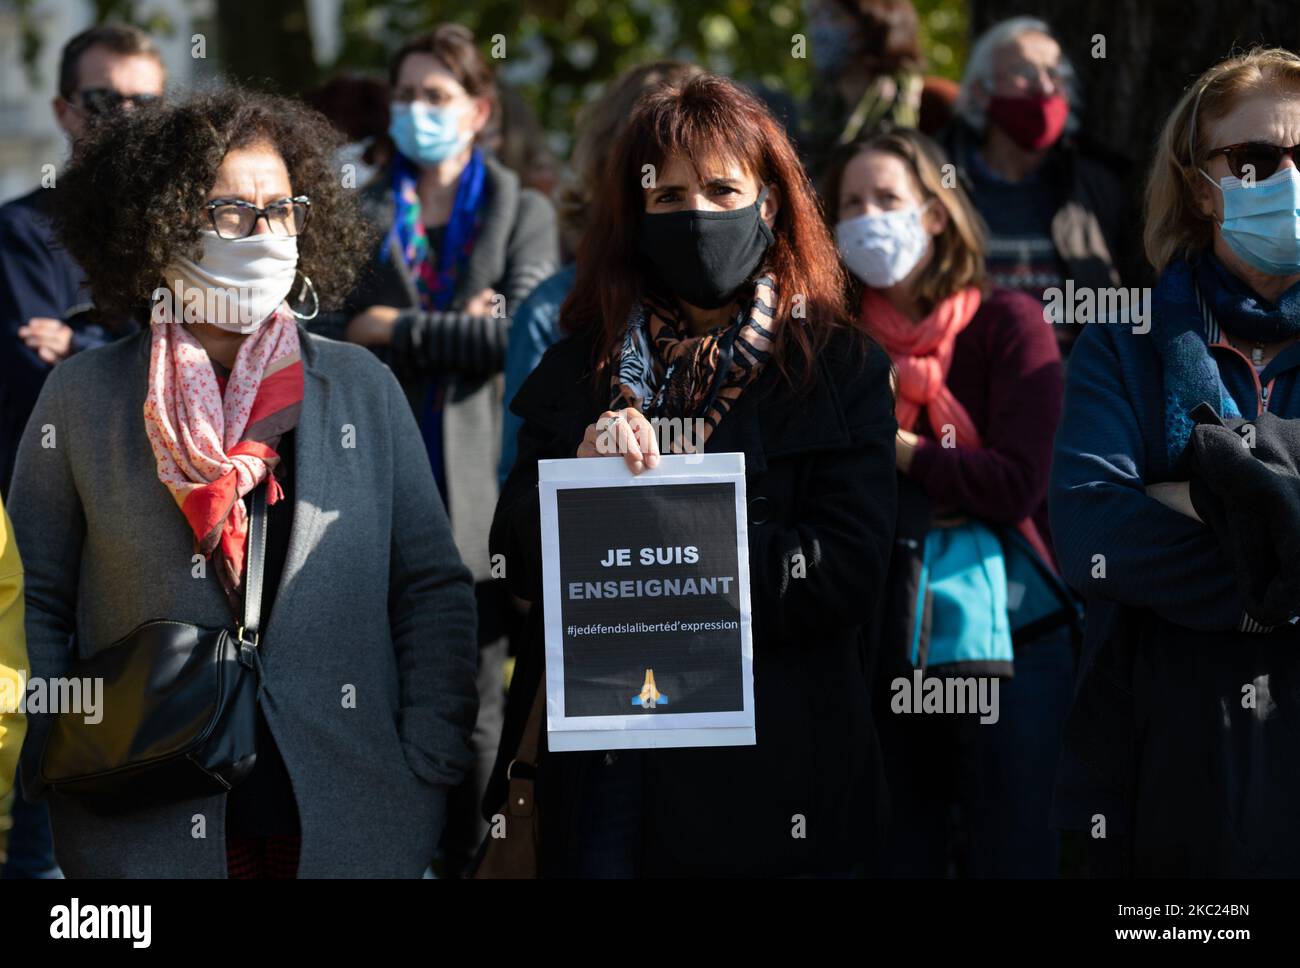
{"type": "Point", "coordinates": [425, 134]}
{"type": "Point", "coordinates": [1261, 223]}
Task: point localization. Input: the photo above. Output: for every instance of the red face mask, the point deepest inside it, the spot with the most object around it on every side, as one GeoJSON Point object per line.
{"type": "Point", "coordinates": [1034, 123]}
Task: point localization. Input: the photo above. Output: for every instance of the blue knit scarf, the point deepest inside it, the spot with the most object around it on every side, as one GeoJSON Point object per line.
{"type": "Point", "coordinates": [436, 281]}
{"type": "Point", "coordinates": [1191, 376]}
{"type": "Point", "coordinates": [436, 274]}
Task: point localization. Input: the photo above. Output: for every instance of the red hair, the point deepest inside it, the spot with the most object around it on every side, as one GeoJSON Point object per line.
{"type": "Point", "coordinates": [707, 118]}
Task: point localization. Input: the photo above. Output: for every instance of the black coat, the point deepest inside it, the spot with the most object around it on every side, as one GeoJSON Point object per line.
{"type": "Point", "coordinates": [820, 479]}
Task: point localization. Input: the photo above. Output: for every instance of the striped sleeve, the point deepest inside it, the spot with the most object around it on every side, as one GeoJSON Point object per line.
{"type": "Point", "coordinates": [1248, 624]}
{"type": "Point", "coordinates": [459, 341]}
{"type": "Point", "coordinates": [424, 342]}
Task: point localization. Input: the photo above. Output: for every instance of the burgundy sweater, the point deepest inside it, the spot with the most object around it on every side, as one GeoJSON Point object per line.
{"type": "Point", "coordinates": [1007, 373]}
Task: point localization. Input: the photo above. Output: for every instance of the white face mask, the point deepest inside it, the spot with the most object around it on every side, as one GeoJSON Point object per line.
{"type": "Point", "coordinates": [237, 284]}
{"type": "Point", "coordinates": [882, 249]}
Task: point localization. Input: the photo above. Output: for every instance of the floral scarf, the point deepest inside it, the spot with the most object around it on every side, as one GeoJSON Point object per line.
{"type": "Point", "coordinates": [214, 432]}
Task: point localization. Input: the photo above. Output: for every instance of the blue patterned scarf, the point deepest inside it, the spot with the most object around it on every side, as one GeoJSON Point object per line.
{"type": "Point", "coordinates": [436, 283]}
{"type": "Point", "coordinates": [1188, 292]}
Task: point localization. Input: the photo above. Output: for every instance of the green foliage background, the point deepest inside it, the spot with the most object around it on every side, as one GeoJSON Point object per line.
{"type": "Point", "coordinates": [558, 52]}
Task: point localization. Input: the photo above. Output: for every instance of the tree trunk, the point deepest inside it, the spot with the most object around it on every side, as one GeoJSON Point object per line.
{"type": "Point", "coordinates": [266, 45]}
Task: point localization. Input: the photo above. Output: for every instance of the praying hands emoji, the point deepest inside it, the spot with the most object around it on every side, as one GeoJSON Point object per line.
{"type": "Point", "coordinates": [650, 695]}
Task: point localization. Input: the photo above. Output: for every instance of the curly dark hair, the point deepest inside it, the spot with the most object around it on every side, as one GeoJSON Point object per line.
{"type": "Point", "coordinates": [132, 197]}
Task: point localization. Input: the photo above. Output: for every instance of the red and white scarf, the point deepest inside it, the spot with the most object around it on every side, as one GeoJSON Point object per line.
{"type": "Point", "coordinates": [214, 432]}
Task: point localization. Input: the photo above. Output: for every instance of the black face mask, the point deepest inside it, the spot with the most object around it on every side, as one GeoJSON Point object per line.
{"type": "Point", "coordinates": [704, 257]}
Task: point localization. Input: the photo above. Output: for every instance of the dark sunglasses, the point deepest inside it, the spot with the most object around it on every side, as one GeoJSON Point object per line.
{"type": "Point", "coordinates": [1262, 158]}
{"type": "Point", "coordinates": [99, 101]}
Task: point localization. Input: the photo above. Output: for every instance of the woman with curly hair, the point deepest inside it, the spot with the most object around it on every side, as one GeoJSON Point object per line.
{"type": "Point", "coordinates": [712, 292]}
{"type": "Point", "coordinates": [134, 483]}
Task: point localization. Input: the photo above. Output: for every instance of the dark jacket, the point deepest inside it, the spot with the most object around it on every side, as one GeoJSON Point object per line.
{"type": "Point", "coordinates": [924, 102]}
{"type": "Point", "coordinates": [516, 248]}
{"type": "Point", "coordinates": [1095, 242]}
{"type": "Point", "coordinates": [1006, 372]}
{"type": "Point", "coordinates": [1245, 485]}
{"type": "Point", "coordinates": [820, 482]}
{"type": "Point", "coordinates": [1159, 741]}
{"type": "Point", "coordinates": [37, 278]}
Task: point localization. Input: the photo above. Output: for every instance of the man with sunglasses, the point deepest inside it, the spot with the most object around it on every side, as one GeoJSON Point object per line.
{"type": "Point", "coordinates": [44, 307]}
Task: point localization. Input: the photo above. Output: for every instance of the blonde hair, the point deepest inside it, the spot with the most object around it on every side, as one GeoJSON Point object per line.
{"type": "Point", "coordinates": [599, 125]}
{"type": "Point", "coordinates": [958, 258]}
{"type": "Point", "coordinates": [1174, 226]}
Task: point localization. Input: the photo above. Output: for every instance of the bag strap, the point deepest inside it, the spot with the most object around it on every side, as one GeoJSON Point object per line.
{"type": "Point", "coordinates": [256, 567]}
{"type": "Point", "coordinates": [526, 754]}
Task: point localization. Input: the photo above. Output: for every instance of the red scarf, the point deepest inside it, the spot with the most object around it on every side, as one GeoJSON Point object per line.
{"type": "Point", "coordinates": [214, 434]}
{"type": "Point", "coordinates": [922, 354]}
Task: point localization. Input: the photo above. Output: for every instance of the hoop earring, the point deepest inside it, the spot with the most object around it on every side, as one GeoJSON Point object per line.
{"type": "Point", "coordinates": [307, 284]}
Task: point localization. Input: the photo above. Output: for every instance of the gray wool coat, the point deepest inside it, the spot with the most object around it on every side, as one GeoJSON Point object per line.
{"type": "Point", "coordinates": [373, 596]}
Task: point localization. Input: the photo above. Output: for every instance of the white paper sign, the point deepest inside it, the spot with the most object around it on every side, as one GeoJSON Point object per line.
{"type": "Point", "coordinates": [646, 594]}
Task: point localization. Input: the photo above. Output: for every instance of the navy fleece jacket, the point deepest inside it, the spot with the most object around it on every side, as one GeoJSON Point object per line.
{"type": "Point", "coordinates": [1119, 547]}
{"type": "Point", "coordinates": [37, 278]}
{"type": "Point", "coordinates": [1109, 447]}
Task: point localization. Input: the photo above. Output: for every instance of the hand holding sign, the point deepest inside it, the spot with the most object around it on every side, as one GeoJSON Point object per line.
{"type": "Point", "coordinates": [646, 601]}
{"type": "Point", "coordinates": [625, 432]}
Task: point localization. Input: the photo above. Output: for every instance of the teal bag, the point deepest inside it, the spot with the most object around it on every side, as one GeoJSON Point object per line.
{"type": "Point", "coordinates": [963, 583]}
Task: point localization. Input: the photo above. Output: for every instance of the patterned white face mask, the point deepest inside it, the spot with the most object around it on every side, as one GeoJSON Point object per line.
{"type": "Point", "coordinates": [237, 283]}
{"type": "Point", "coordinates": [883, 248]}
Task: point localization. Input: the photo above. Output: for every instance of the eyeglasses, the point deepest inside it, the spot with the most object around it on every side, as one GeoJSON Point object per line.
{"type": "Point", "coordinates": [235, 218]}
{"type": "Point", "coordinates": [1026, 75]}
{"type": "Point", "coordinates": [100, 101]}
{"type": "Point", "coordinates": [1262, 158]}
{"type": "Point", "coordinates": [432, 96]}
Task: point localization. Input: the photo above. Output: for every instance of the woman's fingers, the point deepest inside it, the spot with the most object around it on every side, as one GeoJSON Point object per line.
{"type": "Point", "coordinates": [647, 440]}
{"type": "Point", "coordinates": [626, 440]}
{"type": "Point", "coordinates": [601, 438]}
{"type": "Point", "coordinates": [588, 446]}
{"type": "Point", "coordinates": [625, 432]}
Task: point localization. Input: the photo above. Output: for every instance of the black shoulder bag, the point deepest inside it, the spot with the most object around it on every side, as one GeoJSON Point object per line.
{"type": "Point", "coordinates": [179, 708]}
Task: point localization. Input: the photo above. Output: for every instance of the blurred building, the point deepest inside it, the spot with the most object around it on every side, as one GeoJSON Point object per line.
{"type": "Point", "coordinates": [29, 137]}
